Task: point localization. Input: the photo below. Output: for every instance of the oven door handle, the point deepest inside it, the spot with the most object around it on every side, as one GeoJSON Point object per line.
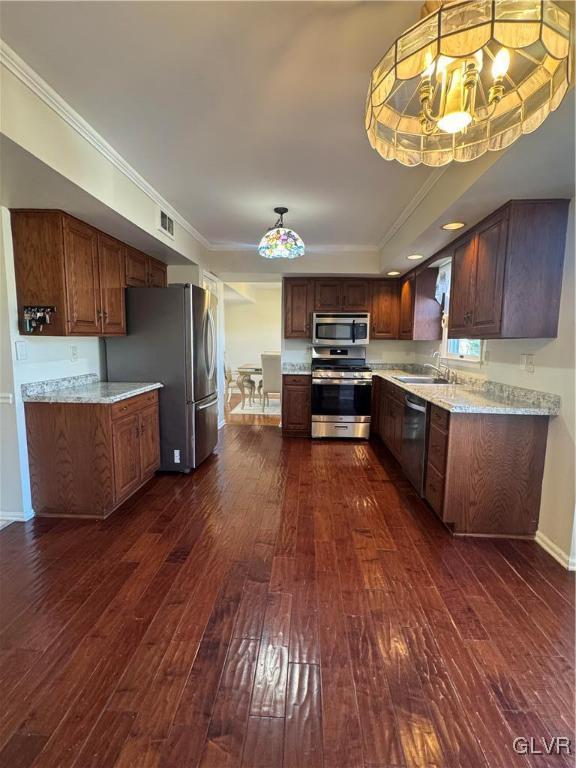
{"type": "Point", "coordinates": [342, 382]}
{"type": "Point", "coordinates": [353, 331]}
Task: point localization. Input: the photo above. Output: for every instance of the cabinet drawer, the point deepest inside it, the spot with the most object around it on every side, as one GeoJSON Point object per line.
{"type": "Point", "coordinates": [294, 380]}
{"type": "Point", "coordinates": [434, 489]}
{"type": "Point", "coordinates": [437, 447]}
{"type": "Point", "coordinates": [439, 418]}
{"type": "Point", "coordinates": [134, 404]}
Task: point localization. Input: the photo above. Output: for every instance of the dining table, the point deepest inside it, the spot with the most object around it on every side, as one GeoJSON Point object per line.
{"type": "Point", "coordinates": [246, 383]}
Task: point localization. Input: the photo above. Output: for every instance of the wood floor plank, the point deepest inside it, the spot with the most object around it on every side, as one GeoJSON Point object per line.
{"type": "Point", "coordinates": [290, 604]}
{"type": "Point", "coordinates": [303, 730]}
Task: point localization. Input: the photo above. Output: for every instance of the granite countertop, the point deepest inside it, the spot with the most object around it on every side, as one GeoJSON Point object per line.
{"type": "Point", "coordinates": [459, 398]}
{"type": "Point", "coordinates": [84, 389]}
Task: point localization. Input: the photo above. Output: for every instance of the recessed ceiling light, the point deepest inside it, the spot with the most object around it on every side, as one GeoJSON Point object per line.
{"type": "Point", "coordinates": [454, 225]}
{"type": "Point", "coordinates": [415, 257]}
{"type": "Point", "coordinates": [394, 273]}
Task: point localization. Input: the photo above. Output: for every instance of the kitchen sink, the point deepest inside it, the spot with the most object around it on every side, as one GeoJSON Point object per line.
{"type": "Point", "coordinates": [421, 380]}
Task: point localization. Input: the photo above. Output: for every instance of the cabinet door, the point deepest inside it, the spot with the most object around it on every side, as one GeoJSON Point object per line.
{"type": "Point", "coordinates": [388, 425]}
{"type": "Point", "coordinates": [377, 397]}
{"type": "Point", "coordinates": [136, 268]}
{"type": "Point", "coordinates": [126, 448]}
{"type": "Point", "coordinates": [156, 274]}
{"type": "Point", "coordinates": [297, 308]}
{"type": "Point", "coordinates": [489, 277]}
{"type": "Point", "coordinates": [111, 261]}
{"type": "Point", "coordinates": [82, 278]}
{"type": "Point", "coordinates": [398, 426]}
{"type": "Point", "coordinates": [149, 441]}
{"type": "Point", "coordinates": [356, 296]}
{"type": "Point", "coordinates": [462, 287]}
{"type": "Point", "coordinates": [328, 295]}
{"type": "Point", "coordinates": [296, 415]}
{"type": "Point", "coordinates": [385, 309]}
{"type": "Point", "coordinates": [407, 308]}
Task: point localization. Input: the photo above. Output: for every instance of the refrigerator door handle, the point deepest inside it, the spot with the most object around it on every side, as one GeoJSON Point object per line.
{"type": "Point", "coordinates": [210, 345]}
{"type": "Point", "coordinates": [208, 404]}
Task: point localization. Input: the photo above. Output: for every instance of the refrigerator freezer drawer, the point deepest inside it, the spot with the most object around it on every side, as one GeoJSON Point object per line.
{"type": "Point", "coordinates": [205, 428]}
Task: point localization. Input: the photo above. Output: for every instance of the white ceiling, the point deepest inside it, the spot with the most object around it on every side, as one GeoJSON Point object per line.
{"type": "Point", "coordinates": [231, 108]}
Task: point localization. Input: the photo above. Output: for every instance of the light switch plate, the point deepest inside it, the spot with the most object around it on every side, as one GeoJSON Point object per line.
{"type": "Point", "coordinates": [73, 353]}
{"type": "Point", "coordinates": [21, 350]}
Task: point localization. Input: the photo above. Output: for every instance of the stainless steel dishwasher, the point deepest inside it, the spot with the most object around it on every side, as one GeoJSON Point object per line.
{"type": "Point", "coordinates": [414, 440]}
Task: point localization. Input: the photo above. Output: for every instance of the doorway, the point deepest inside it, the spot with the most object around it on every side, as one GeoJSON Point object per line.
{"type": "Point", "coordinates": [252, 339]}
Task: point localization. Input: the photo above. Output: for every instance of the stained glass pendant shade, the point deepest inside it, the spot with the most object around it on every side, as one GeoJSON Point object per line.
{"type": "Point", "coordinates": [280, 242]}
{"type": "Point", "coordinates": [469, 77]}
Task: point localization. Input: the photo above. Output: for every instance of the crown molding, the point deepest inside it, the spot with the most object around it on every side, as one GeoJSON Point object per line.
{"type": "Point", "coordinates": [434, 177]}
{"type": "Point", "coordinates": [228, 247]}
{"type": "Point", "coordinates": [32, 80]}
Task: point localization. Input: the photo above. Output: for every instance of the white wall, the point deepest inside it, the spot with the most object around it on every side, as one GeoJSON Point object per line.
{"type": "Point", "coordinates": [253, 328]}
{"type": "Point", "coordinates": [46, 358]}
{"type": "Point", "coordinates": [554, 372]}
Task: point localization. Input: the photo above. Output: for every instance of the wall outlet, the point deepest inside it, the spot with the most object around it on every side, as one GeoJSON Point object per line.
{"type": "Point", "coordinates": [527, 363]}
{"type": "Point", "coordinates": [21, 350]}
{"type": "Point", "coordinates": [176, 457]}
{"type": "Point", "coordinates": [73, 353]}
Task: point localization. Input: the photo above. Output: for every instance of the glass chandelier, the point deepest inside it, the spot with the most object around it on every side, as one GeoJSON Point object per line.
{"type": "Point", "coordinates": [279, 242]}
{"type": "Point", "coordinates": [469, 77]}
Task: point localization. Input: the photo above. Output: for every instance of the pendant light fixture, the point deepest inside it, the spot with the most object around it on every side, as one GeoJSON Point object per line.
{"type": "Point", "coordinates": [470, 76]}
{"type": "Point", "coordinates": [280, 242]}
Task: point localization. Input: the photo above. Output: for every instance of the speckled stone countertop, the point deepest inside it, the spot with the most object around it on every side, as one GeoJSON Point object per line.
{"type": "Point", "coordinates": [84, 389]}
{"type": "Point", "coordinates": [491, 397]}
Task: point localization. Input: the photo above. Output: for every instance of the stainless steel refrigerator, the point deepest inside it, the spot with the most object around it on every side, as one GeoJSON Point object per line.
{"type": "Point", "coordinates": [171, 338]}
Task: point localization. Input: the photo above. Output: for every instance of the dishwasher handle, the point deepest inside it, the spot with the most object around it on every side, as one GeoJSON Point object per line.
{"type": "Point", "coordinates": [414, 406]}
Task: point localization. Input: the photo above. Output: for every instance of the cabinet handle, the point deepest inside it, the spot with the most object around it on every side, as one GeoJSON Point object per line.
{"type": "Point", "coordinates": [124, 408]}
{"type": "Point", "coordinates": [137, 431]}
{"type": "Point", "coordinates": [98, 314]}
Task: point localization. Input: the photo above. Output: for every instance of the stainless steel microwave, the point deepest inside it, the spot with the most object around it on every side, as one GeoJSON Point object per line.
{"type": "Point", "coordinates": [343, 328]}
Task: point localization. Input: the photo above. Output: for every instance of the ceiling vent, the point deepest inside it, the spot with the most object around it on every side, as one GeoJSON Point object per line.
{"type": "Point", "coordinates": [166, 224]}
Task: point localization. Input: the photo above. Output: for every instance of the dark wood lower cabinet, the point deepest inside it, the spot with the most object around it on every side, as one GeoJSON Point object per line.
{"type": "Point", "coordinates": [296, 405]}
{"type": "Point", "coordinates": [483, 471]}
{"type": "Point", "coordinates": [103, 454]}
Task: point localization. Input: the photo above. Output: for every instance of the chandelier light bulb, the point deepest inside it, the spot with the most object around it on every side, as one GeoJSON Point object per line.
{"type": "Point", "coordinates": [501, 63]}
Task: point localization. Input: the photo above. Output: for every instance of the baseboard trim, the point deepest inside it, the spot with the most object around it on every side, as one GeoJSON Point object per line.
{"type": "Point", "coordinates": [555, 551]}
{"type": "Point", "coordinates": [15, 517]}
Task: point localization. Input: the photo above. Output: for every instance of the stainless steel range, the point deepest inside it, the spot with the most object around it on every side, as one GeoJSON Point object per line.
{"type": "Point", "coordinates": [341, 392]}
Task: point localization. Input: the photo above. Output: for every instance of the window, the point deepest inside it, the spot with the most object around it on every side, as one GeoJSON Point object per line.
{"type": "Point", "coordinates": [466, 350]}
{"type": "Point", "coordinates": [463, 349]}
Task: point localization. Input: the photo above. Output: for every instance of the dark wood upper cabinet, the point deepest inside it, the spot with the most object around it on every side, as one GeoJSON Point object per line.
{"type": "Point", "coordinates": [63, 262]}
{"type": "Point", "coordinates": [157, 273]}
{"type": "Point", "coordinates": [328, 295]}
{"type": "Point", "coordinates": [136, 268]}
{"type": "Point", "coordinates": [407, 308]}
{"type": "Point", "coordinates": [384, 309]}
{"type": "Point", "coordinates": [420, 313]}
{"type": "Point", "coordinates": [355, 296]}
{"type": "Point", "coordinates": [298, 307]}
{"type": "Point", "coordinates": [507, 273]}
{"type": "Point", "coordinates": [463, 271]}
{"type": "Point", "coordinates": [111, 262]}
{"type": "Point", "coordinates": [82, 278]}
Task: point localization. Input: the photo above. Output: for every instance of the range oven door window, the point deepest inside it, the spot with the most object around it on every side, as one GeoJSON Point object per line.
{"type": "Point", "coordinates": [349, 399]}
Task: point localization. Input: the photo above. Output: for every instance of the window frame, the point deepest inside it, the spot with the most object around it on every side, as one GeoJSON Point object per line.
{"type": "Point", "coordinates": [446, 355]}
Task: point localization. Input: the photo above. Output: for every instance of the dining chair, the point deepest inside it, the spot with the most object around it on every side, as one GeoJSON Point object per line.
{"type": "Point", "coordinates": [271, 376]}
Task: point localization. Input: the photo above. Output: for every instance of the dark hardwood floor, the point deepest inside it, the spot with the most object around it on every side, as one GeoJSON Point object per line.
{"type": "Point", "coordinates": [289, 604]}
